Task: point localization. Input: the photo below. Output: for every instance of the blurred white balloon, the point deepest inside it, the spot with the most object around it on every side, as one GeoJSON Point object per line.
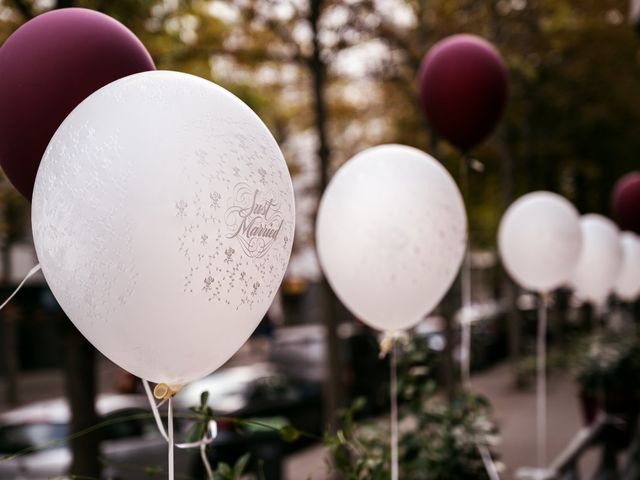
{"type": "Point", "coordinates": [163, 219]}
{"type": "Point", "coordinates": [391, 235]}
{"type": "Point", "coordinates": [539, 240]}
{"type": "Point", "coordinates": [600, 259]}
{"type": "Point", "coordinates": [627, 286]}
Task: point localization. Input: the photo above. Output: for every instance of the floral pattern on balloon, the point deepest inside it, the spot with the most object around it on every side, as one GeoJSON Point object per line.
{"type": "Point", "coordinates": [130, 213]}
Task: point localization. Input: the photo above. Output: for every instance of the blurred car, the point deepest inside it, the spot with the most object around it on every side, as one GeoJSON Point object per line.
{"type": "Point", "coordinates": [266, 399]}
{"type": "Point", "coordinates": [129, 445]}
{"type": "Point", "coordinates": [300, 351]}
{"type": "Point", "coordinates": [488, 322]}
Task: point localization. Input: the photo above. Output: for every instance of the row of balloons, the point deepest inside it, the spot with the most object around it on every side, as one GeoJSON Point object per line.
{"type": "Point", "coordinates": [544, 244]}
{"type": "Point", "coordinates": [391, 236]}
{"type": "Point", "coordinates": [163, 211]}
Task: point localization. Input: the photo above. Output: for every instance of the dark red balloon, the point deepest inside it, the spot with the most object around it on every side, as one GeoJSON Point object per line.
{"type": "Point", "coordinates": [47, 67]}
{"type": "Point", "coordinates": [625, 201]}
{"type": "Point", "coordinates": [463, 85]}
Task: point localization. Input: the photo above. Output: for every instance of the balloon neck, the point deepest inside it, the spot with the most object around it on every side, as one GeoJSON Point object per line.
{"type": "Point", "coordinates": [389, 339]}
{"type": "Point", "coordinates": [162, 391]}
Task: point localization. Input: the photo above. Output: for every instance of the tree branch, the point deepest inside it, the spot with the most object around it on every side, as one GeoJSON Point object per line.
{"type": "Point", "coordinates": [23, 8]}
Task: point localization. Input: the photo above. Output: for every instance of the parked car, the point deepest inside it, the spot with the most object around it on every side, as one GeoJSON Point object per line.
{"type": "Point", "coordinates": [300, 351]}
{"type": "Point", "coordinates": [267, 399]}
{"type": "Point", "coordinates": [129, 446]}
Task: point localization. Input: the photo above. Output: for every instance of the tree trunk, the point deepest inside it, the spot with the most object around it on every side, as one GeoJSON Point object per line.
{"type": "Point", "coordinates": [80, 383]}
{"type": "Point", "coordinates": [509, 289]}
{"type": "Point", "coordinates": [10, 334]}
{"type": "Point", "coordinates": [318, 70]}
{"type": "Point", "coordinates": [10, 354]}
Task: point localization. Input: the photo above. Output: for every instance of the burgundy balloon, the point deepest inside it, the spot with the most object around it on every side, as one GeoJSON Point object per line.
{"type": "Point", "coordinates": [47, 67]}
{"type": "Point", "coordinates": [625, 201]}
{"type": "Point", "coordinates": [463, 86]}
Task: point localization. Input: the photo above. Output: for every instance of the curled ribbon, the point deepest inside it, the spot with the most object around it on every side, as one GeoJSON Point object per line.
{"type": "Point", "coordinates": [164, 393]}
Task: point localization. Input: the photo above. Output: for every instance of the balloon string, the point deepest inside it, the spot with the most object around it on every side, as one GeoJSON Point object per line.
{"type": "Point", "coordinates": [170, 434]}
{"type": "Point", "coordinates": [154, 410]}
{"type": "Point", "coordinates": [30, 274]}
{"type": "Point", "coordinates": [465, 363]}
{"type": "Point", "coordinates": [541, 401]}
{"type": "Point", "coordinates": [394, 410]}
{"type": "Point", "coordinates": [209, 437]}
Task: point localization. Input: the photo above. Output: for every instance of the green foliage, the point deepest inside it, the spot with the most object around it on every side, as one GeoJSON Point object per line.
{"type": "Point", "coordinates": [361, 453]}
{"type": "Point", "coordinates": [439, 438]}
{"type": "Point", "coordinates": [203, 415]}
{"type": "Point", "coordinates": [441, 442]}
{"type": "Point", "coordinates": [557, 360]}
{"type": "Point", "coordinates": [608, 362]}
{"type": "Point", "coordinates": [235, 472]}
{"type": "Point", "coordinates": [153, 471]}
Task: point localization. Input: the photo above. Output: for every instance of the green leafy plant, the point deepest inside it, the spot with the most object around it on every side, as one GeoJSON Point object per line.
{"type": "Point", "coordinates": [439, 438]}
{"type": "Point", "coordinates": [235, 472]}
{"type": "Point", "coordinates": [608, 362]}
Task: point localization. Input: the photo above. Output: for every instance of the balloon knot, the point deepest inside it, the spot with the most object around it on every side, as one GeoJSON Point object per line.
{"type": "Point", "coordinates": [162, 391]}
{"type": "Point", "coordinates": [389, 339]}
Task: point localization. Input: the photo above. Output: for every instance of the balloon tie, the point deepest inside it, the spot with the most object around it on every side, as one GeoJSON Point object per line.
{"type": "Point", "coordinates": [165, 394]}
{"type": "Point", "coordinates": [388, 340]}
{"type": "Point", "coordinates": [162, 391]}
{"type": "Point", "coordinates": [30, 274]}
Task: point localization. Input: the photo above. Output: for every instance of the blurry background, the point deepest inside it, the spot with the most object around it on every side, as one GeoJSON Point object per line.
{"type": "Point", "coordinates": [331, 78]}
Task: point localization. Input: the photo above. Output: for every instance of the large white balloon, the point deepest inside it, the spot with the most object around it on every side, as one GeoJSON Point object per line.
{"type": "Point", "coordinates": [163, 219]}
{"type": "Point", "coordinates": [539, 240]}
{"type": "Point", "coordinates": [627, 285]}
{"type": "Point", "coordinates": [391, 235]}
{"type": "Point", "coordinates": [600, 259]}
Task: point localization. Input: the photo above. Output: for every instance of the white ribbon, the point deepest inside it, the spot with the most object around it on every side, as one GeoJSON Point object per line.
{"type": "Point", "coordinates": [30, 274]}
{"type": "Point", "coordinates": [394, 410]}
{"type": "Point", "coordinates": [541, 390]}
{"type": "Point", "coordinates": [209, 437]}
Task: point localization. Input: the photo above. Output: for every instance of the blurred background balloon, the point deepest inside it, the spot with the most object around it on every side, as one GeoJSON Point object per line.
{"type": "Point", "coordinates": [600, 259]}
{"type": "Point", "coordinates": [163, 219]}
{"type": "Point", "coordinates": [47, 67]}
{"type": "Point", "coordinates": [626, 202]}
{"type": "Point", "coordinates": [391, 234]}
{"type": "Point", "coordinates": [627, 286]}
{"type": "Point", "coordinates": [539, 240]}
{"type": "Point", "coordinates": [463, 84]}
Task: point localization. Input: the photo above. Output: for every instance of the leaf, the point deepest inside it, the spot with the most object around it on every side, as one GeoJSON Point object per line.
{"type": "Point", "coordinates": [197, 431]}
{"type": "Point", "coordinates": [241, 464]}
{"type": "Point", "coordinates": [152, 471]}
{"type": "Point", "coordinates": [204, 399]}
{"type": "Point", "coordinates": [358, 404]}
{"type": "Point", "coordinates": [225, 471]}
{"type": "Point", "coordinates": [289, 434]}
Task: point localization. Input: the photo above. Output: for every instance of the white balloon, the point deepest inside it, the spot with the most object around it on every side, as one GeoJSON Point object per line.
{"type": "Point", "coordinates": [163, 219]}
{"type": "Point", "coordinates": [627, 286]}
{"type": "Point", "coordinates": [600, 259]}
{"type": "Point", "coordinates": [391, 235]}
{"type": "Point", "coordinates": [539, 240]}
